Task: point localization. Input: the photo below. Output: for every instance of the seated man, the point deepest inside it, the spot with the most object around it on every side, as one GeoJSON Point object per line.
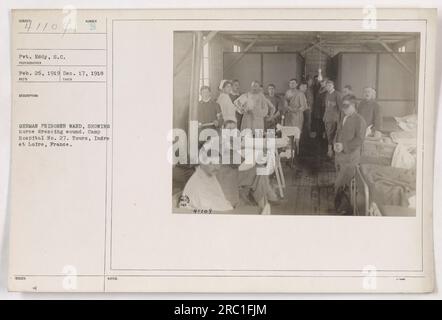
{"type": "Point", "coordinates": [203, 191]}
{"type": "Point", "coordinates": [230, 187]}
{"type": "Point", "coordinates": [348, 142]}
{"type": "Point", "coordinates": [242, 184]}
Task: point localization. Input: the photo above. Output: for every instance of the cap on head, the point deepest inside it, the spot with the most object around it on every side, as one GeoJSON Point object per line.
{"type": "Point", "coordinates": [224, 83]}
{"type": "Point", "coordinates": [348, 101]}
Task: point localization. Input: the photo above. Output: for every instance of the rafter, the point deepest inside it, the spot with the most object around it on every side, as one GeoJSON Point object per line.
{"type": "Point", "coordinates": [249, 46]}
{"type": "Point", "coordinates": [395, 56]}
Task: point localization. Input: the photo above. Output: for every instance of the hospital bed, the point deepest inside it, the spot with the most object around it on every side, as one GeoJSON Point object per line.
{"type": "Point", "coordinates": [378, 188]}
{"type": "Point", "coordinates": [378, 151]}
{"type": "Point", "coordinates": [381, 150]}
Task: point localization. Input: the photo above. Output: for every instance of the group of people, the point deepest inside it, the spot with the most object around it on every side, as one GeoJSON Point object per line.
{"type": "Point", "coordinates": [312, 105]}
{"type": "Point", "coordinates": [345, 124]}
{"type": "Point", "coordinates": [219, 186]}
{"type": "Point", "coordinates": [255, 109]}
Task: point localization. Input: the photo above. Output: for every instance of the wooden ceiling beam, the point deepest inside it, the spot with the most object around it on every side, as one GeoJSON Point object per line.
{"type": "Point", "coordinates": [209, 37]}
{"type": "Point", "coordinates": [396, 57]}
{"type": "Point", "coordinates": [316, 46]}
{"type": "Point", "coordinates": [249, 46]}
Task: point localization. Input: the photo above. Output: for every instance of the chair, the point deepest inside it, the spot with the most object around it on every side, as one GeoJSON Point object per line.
{"type": "Point", "coordinates": [294, 134]}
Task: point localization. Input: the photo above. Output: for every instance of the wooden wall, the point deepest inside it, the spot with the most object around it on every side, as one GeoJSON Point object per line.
{"type": "Point", "coordinates": [314, 59]}
{"type": "Point", "coordinates": [182, 58]}
{"type": "Point", "coordinates": [217, 46]}
{"type": "Point", "coordinates": [277, 68]}
{"type": "Point", "coordinates": [357, 70]}
{"type": "Point", "coordinates": [396, 87]}
{"type": "Point", "coordinates": [247, 69]}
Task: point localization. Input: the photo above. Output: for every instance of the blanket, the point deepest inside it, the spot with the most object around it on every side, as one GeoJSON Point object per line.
{"type": "Point", "coordinates": [388, 185]}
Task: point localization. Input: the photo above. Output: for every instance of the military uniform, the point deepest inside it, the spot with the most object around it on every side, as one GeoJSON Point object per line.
{"type": "Point", "coordinates": [372, 113]}
{"type": "Point", "coordinates": [333, 105]}
{"type": "Point", "coordinates": [351, 133]}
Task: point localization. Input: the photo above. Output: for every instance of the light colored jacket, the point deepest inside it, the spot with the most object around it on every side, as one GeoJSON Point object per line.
{"type": "Point", "coordinates": [255, 107]}
{"type": "Point", "coordinates": [227, 107]}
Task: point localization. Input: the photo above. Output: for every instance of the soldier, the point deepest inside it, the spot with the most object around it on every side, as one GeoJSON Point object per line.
{"type": "Point", "coordinates": [348, 142]}
{"type": "Point", "coordinates": [332, 112]}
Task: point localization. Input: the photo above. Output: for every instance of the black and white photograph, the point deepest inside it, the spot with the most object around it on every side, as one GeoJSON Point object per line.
{"type": "Point", "coordinates": [295, 122]}
{"type": "Point", "coordinates": [223, 151]}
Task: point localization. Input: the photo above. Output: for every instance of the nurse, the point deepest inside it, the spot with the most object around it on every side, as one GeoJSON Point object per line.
{"type": "Point", "coordinates": [228, 109]}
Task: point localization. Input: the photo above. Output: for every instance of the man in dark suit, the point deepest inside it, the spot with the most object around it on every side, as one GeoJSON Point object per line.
{"type": "Point", "coordinates": [333, 105]}
{"type": "Point", "coordinates": [348, 142]}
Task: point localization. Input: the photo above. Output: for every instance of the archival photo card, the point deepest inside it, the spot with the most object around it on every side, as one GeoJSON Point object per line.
{"type": "Point", "coordinates": [227, 150]}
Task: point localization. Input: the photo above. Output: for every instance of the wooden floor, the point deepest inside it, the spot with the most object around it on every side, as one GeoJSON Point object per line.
{"type": "Point", "coordinates": [308, 191]}
{"type": "Point", "coordinates": [309, 183]}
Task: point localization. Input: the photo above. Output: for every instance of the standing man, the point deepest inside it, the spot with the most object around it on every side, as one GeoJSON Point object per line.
{"type": "Point", "coordinates": [348, 143]}
{"type": "Point", "coordinates": [235, 90]}
{"type": "Point", "coordinates": [291, 92]}
{"type": "Point", "coordinates": [255, 107]}
{"type": "Point", "coordinates": [310, 96]}
{"type": "Point", "coordinates": [347, 91]}
{"type": "Point", "coordinates": [333, 104]}
{"type": "Point", "coordinates": [319, 108]}
{"type": "Point", "coordinates": [296, 104]}
{"type": "Point", "coordinates": [209, 112]}
{"type": "Point", "coordinates": [371, 111]}
{"type": "Point", "coordinates": [235, 95]}
{"type": "Point", "coordinates": [277, 102]}
{"type": "Point", "coordinates": [316, 84]}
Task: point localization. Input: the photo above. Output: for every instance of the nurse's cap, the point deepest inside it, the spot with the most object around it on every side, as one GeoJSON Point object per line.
{"type": "Point", "coordinates": [223, 83]}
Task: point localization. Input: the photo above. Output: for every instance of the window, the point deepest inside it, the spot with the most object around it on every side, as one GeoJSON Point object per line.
{"type": "Point", "coordinates": [236, 48]}
{"type": "Point", "coordinates": [204, 76]}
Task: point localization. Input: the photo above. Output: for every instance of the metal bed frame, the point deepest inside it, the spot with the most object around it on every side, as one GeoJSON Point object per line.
{"type": "Point", "coordinates": [356, 193]}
